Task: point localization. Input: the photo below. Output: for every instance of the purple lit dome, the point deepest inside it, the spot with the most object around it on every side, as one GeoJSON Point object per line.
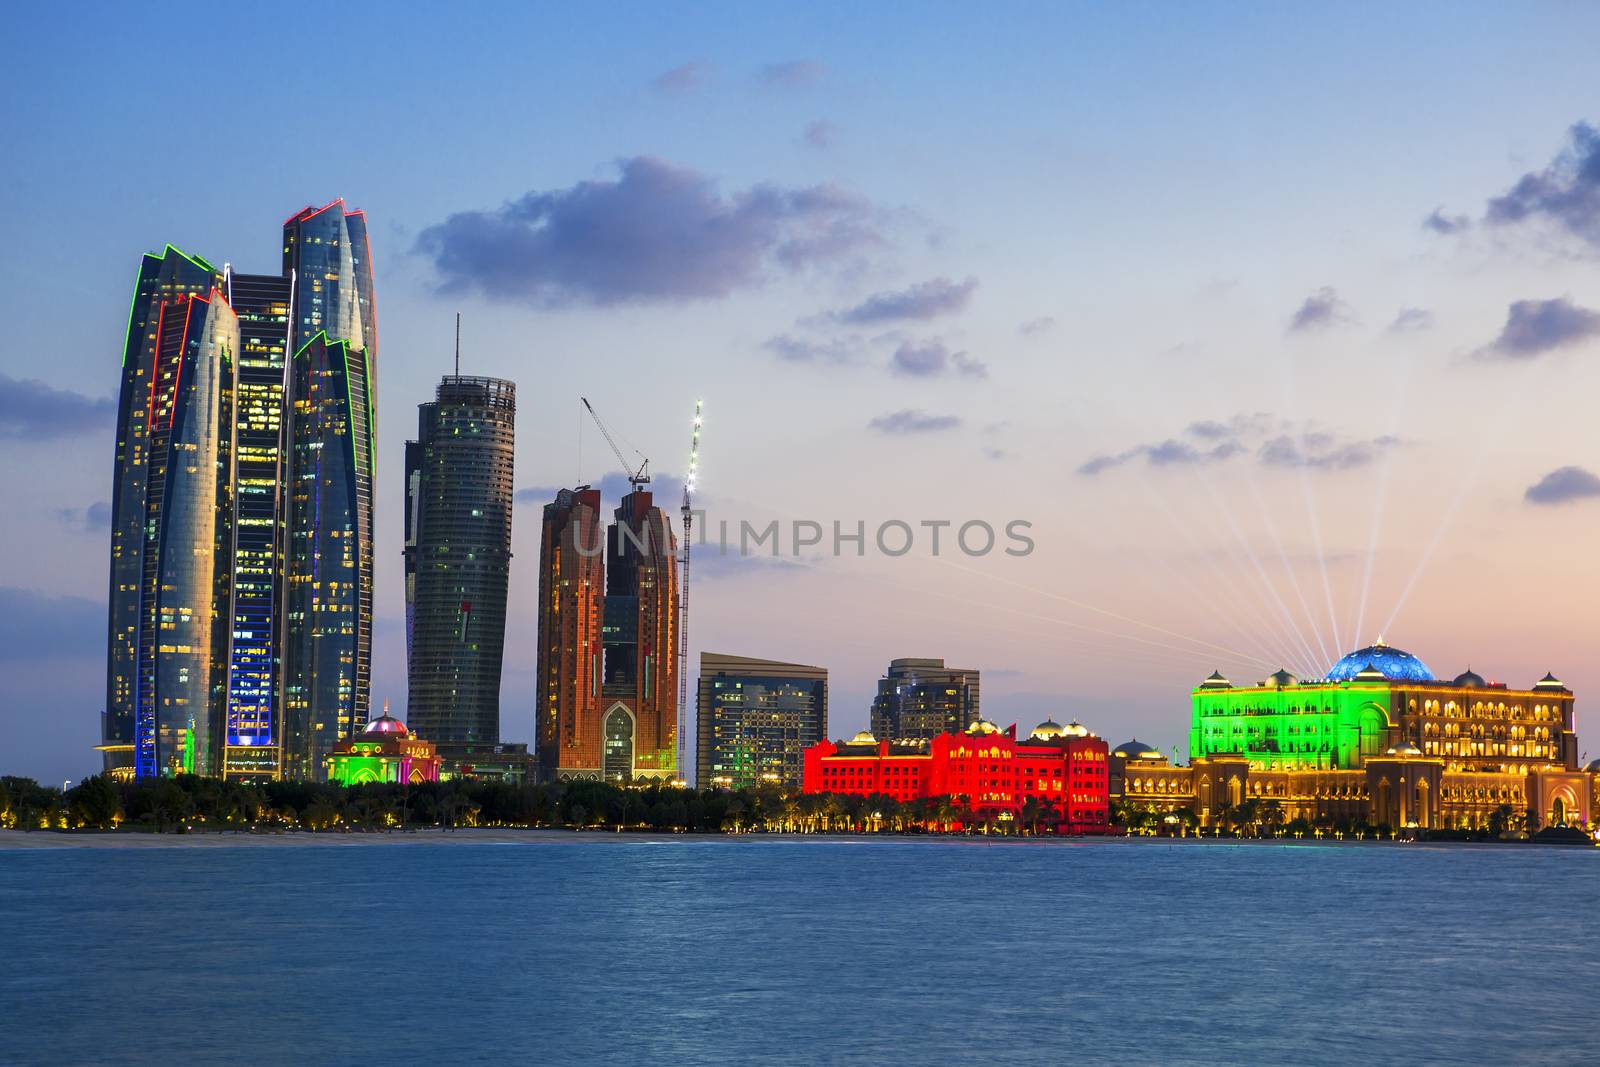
{"type": "Point", "coordinates": [387, 724]}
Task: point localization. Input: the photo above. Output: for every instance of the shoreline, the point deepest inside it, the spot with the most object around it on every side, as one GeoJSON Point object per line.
{"type": "Point", "coordinates": [40, 840]}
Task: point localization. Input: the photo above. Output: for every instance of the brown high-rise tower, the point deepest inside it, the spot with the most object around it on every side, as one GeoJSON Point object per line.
{"type": "Point", "coordinates": [608, 632]}
{"type": "Point", "coordinates": [571, 587]}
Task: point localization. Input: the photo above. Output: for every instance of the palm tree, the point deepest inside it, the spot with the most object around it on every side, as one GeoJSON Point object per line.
{"type": "Point", "coordinates": [1030, 815]}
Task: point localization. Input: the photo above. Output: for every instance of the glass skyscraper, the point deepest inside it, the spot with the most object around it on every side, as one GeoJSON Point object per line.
{"type": "Point", "coordinates": [242, 511]}
{"type": "Point", "coordinates": [171, 529]}
{"type": "Point", "coordinates": [253, 739]}
{"type": "Point", "coordinates": [459, 492]}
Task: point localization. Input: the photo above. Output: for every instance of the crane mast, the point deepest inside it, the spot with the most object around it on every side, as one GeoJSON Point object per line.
{"type": "Point", "coordinates": [683, 590]}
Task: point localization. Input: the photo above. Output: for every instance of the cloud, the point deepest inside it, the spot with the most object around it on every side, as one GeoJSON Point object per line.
{"type": "Point", "coordinates": [1565, 194]}
{"type": "Point", "coordinates": [995, 455]}
{"type": "Point", "coordinates": [613, 486]}
{"type": "Point", "coordinates": [910, 420]}
{"type": "Point", "coordinates": [1563, 485]}
{"type": "Point", "coordinates": [792, 74]}
{"type": "Point", "coordinates": [1411, 320]}
{"type": "Point", "coordinates": [794, 349]}
{"type": "Point", "coordinates": [95, 517]}
{"type": "Point", "coordinates": [1323, 451]}
{"type": "Point", "coordinates": [820, 134]}
{"type": "Point", "coordinates": [35, 626]}
{"type": "Point", "coordinates": [682, 79]}
{"type": "Point", "coordinates": [1321, 310]}
{"type": "Point", "coordinates": [1534, 327]}
{"type": "Point", "coordinates": [922, 301]}
{"type": "Point", "coordinates": [1438, 222]}
{"type": "Point", "coordinates": [658, 233]}
{"type": "Point", "coordinates": [931, 359]}
{"type": "Point", "coordinates": [1034, 327]}
{"type": "Point", "coordinates": [1273, 442]}
{"type": "Point", "coordinates": [32, 410]}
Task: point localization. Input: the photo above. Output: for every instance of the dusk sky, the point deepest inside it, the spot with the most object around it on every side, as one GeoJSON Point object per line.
{"type": "Point", "coordinates": [1279, 324]}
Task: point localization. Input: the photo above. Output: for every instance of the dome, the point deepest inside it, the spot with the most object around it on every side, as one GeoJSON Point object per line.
{"type": "Point", "coordinates": [387, 724]}
{"type": "Point", "coordinates": [1136, 750]}
{"type": "Point", "coordinates": [1216, 681]}
{"type": "Point", "coordinates": [1405, 748]}
{"type": "Point", "coordinates": [864, 738]}
{"type": "Point", "coordinates": [983, 726]}
{"type": "Point", "coordinates": [1594, 766]}
{"type": "Point", "coordinates": [1075, 729]}
{"type": "Point", "coordinates": [1047, 730]}
{"type": "Point", "coordinates": [1381, 660]}
{"type": "Point", "coordinates": [1549, 681]}
{"type": "Point", "coordinates": [1470, 679]}
{"type": "Point", "coordinates": [1281, 678]}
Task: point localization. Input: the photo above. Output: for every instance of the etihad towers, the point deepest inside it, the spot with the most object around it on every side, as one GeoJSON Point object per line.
{"type": "Point", "coordinates": [241, 510]}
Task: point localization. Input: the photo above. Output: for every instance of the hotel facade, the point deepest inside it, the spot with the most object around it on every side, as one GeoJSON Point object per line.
{"type": "Point", "coordinates": [987, 773]}
{"type": "Point", "coordinates": [1380, 741]}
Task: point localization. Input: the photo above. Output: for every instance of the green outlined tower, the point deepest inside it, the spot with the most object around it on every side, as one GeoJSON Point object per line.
{"type": "Point", "coordinates": [171, 525]}
{"type": "Point", "coordinates": [327, 655]}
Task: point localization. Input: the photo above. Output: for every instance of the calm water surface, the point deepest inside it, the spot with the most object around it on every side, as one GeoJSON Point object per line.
{"type": "Point", "coordinates": [685, 951]}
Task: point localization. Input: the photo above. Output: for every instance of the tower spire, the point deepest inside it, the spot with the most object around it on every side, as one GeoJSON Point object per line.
{"type": "Point", "coordinates": [458, 344]}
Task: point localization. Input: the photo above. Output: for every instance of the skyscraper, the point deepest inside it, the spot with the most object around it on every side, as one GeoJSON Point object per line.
{"type": "Point", "coordinates": [242, 510]}
{"type": "Point", "coordinates": [330, 461]}
{"type": "Point", "coordinates": [608, 631]}
{"type": "Point", "coordinates": [458, 558]}
{"type": "Point", "coordinates": [252, 742]}
{"type": "Point", "coordinates": [755, 718]}
{"type": "Point", "coordinates": [171, 528]}
{"type": "Point", "coordinates": [922, 698]}
{"type": "Point", "coordinates": [639, 693]}
{"type": "Point", "coordinates": [328, 570]}
{"type": "Point", "coordinates": [571, 591]}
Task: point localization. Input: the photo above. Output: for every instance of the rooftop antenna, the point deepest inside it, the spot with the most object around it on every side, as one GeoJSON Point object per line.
{"type": "Point", "coordinates": [458, 344]}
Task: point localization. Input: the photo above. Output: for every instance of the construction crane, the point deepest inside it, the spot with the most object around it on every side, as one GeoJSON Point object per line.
{"type": "Point", "coordinates": [683, 589]}
{"type": "Point", "coordinates": [635, 478]}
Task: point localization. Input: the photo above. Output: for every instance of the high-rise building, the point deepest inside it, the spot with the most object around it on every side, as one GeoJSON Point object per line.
{"type": "Point", "coordinates": [571, 591]}
{"type": "Point", "coordinates": [328, 482]}
{"type": "Point", "coordinates": [922, 698]}
{"type": "Point", "coordinates": [639, 693]}
{"type": "Point", "coordinates": [252, 741]}
{"type": "Point", "coordinates": [328, 571]}
{"type": "Point", "coordinates": [608, 632]}
{"type": "Point", "coordinates": [171, 529]}
{"type": "Point", "coordinates": [242, 510]}
{"type": "Point", "coordinates": [458, 558]}
{"type": "Point", "coordinates": [754, 720]}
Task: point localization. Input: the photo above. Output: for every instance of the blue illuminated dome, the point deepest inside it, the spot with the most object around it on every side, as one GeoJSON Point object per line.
{"type": "Point", "coordinates": [1395, 664]}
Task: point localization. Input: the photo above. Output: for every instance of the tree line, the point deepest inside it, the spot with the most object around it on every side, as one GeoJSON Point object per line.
{"type": "Point", "coordinates": [190, 803]}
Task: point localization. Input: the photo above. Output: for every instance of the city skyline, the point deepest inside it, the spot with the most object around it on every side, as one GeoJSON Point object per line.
{"type": "Point", "coordinates": [1365, 401]}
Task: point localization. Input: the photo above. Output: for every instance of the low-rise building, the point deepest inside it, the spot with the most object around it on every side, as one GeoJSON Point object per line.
{"type": "Point", "coordinates": [1057, 774]}
{"type": "Point", "coordinates": [384, 752]}
{"type": "Point", "coordinates": [1379, 741]}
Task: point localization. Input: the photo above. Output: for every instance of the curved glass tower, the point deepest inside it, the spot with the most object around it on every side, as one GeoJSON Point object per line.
{"type": "Point", "coordinates": [171, 528]}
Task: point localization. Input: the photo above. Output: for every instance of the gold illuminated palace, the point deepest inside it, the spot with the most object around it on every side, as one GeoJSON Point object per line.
{"type": "Point", "coordinates": [1380, 741]}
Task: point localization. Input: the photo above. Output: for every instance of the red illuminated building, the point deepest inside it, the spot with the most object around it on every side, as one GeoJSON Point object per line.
{"type": "Point", "coordinates": [983, 770]}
